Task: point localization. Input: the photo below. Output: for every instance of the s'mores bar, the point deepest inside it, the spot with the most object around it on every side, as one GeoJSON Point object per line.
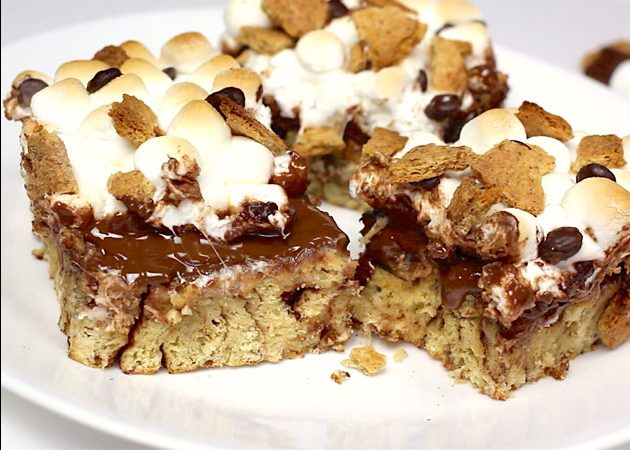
{"type": "Point", "coordinates": [505, 254]}
{"type": "Point", "coordinates": [610, 65]}
{"type": "Point", "coordinates": [334, 71]}
{"type": "Point", "coordinates": [173, 219]}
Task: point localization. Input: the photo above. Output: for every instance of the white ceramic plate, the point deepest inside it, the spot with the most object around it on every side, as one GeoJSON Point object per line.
{"type": "Point", "coordinates": [293, 403]}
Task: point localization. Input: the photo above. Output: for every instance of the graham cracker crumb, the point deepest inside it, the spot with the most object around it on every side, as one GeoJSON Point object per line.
{"type": "Point", "coordinates": [606, 150]}
{"type": "Point", "coordinates": [365, 359]}
{"type": "Point", "coordinates": [264, 40]}
{"type": "Point", "coordinates": [539, 122]}
{"type": "Point", "coordinates": [112, 55]}
{"type": "Point", "coordinates": [400, 355]}
{"type": "Point", "coordinates": [319, 141]}
{"type": "Point", "coordinates": [358, 58]}
{"type": "Point", "coordinates": [297, 17]}
{"type": "Point", "coordinates": [134, 190]}
{"type": "Point", "coordinates": [517, 171]}
{"type": "Point", "coordinates": [428, 161]}
{"type": "Point", "coordinates": [241, 122]}
{"type": "Point", "coordinates": [134, 120]}
{"type": "Point", "coordinates": [470, 202]}
{"type": "Point", "coordinates": [46, 164]}
{"type": "Point", "coordinates": [447, 67]}
{"type": "Point", "coordinates": [384, 141]}
{"type": "Point", "coordinates": [339, 376]}
{"type": "Point", "coordinates": [39, 253]}
{"type": "Point", "coordinates": [389, 34]}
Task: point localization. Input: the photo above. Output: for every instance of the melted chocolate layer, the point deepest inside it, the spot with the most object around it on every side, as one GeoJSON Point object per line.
{"type": "Point", "coordinates": [137, 250]}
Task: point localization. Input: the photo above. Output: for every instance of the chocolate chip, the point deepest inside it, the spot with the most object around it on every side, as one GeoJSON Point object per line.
{"type": "Point", "coordinates": [446, 26]}
{"type": "Point", "coordinates": [583, 271]}
{"type": "Point", "coordinates": [354, 133]}
{"type": "Point", "coordinates": [453, 126]}
{"type": "Point", "coordinates": [429, 183]}
{"type": "Point", "coordinates": [233, 93]}
{"type": "Point", "coordinates": [102, 78]}
{"type": "Point", "coordinates": [259, 212]}
{"type": "Point", "coordinates": [27, 89]}
{"type": "Point", "coordinates": [560, 244]}
{"type": "Point", "coordinates": [594, 170]}
{"type": "Point", "coordinates": [336, 9]}
{"type": "Point", "coordinates": [423, 80]}
{"type": "Point", "coordinates": [171, 72]}
{"type": "Point", "coordinates": [443, 106]}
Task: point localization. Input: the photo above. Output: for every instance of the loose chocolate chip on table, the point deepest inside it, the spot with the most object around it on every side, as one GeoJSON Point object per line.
{"type": "Point", "coordinates": [443, 106]}
{"type": "Point", "coordinates": [233, 93]}
{"type": "Point", "coordinates": [102, 78]}
{"type": "Point", "coordinates": [560, 244]}
{"type": "Point", "coordinates": [429, 183]}
{"type": "Point", "coordinates": [594, 170]}
{"type": "Point", "coordinates": [28, 88]}
{"type": "Point", "coordinates": [423, 80]}
{"type": "Point", "coordinates": [171, 72]}
{"type": "Point", "coordinates": [337, 9]}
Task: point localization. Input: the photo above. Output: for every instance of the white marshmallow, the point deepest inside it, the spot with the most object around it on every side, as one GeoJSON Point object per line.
{"type": "Point", "coordinates": [417, 139]}
{"type": "Point", "coordinates": [344, 29]}
{"type": "Point", "coordinates": [187, 51]}
{"type": "Point", "coordinates": [474, 32]}
{"type": "Point", "coordinates": [528, 233]}
{"type": "Point", "coordinates": [555, 186]}
{"type": "Point", "coordinates": [244, 161]}
{"type": "Point", "coordinates": [488, 129]}
{"type": "Point", "coordinates": [98, 124]}
{"type": "Point", "coordinates": [320, 51]}
{"type": "Point", "coordinates": [623, 178]}
{"type": "Point", "coordinates": [242, 193]}
{"type": "Point", "coordinates": [215, 194]}
{"type": "Point", "coordinates": [555, 148]}
{"type": "Point", "coordinates": [64, 104]}
{"type": "Point", "coordinates": [247, 81]}
{"type": "Point", "coordinates": [244, 13]}
{"type": "Point", "coordinates": [390, 82]}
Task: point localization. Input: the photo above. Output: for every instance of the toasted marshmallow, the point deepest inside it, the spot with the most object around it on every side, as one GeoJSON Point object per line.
{"type": "Point", "coordinates": [186, 52]}
{"type": "Point", "coordinates": [320, 51]}
{"type": "Point", "coordinates": [247, 81]}
{"type": "Point", "coordinates": [151, 155]}
{"type": "Point", "coordinates": [64, 104]}
{"type": "Point", "coordinates": [244, 13]}
{"type": "Point", "coordinates": [113, 91]}
{"type": "Point", "coordinates": [202, 126]}
{"type": "Point", "coordinates": [243, 193]}
{"type": "Point", "coordinates": [175, 98]}
{"type": "Point", "coordinates": [390, 82]}
{"type": "Point", "coordinates": [215, 193]}
{"type": "Point", "coordinates": [555, 148]}
{"type": "Point", "coordinates": [205, 74]}
{"type": "Point", "coordinates": [457, 11]}
{"type": "Point", "coordinates": [555, 186]}
{"type": "Point", "coordinates": [156, 81]}
{"type": "Point", "coordinates": [135, 49]}
{"type": "Point", "coordinates": [602, 205]}
{"type": "Point", "coordinates": [30, 74]}
{"type": "Point", "coordinates": [82, 70]}
{"type": "Point", "coordinates": [488, 129]}
{"type": "Point", "coordinates": [344, 29]}
{"type": "Point", "coordinates": [474, 32]}
{"type": "Point", "coordinates": [98, 124]}
{"type": "Point", "coordinates": [528, 233]}
{"type": "Point", "coordinates": [230, 167]}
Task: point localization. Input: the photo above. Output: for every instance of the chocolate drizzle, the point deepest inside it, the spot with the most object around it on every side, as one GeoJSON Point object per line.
{"type": "Point", "coordinates": [148, 255]}
{"type": "Point", "coordinates": [459, 279]}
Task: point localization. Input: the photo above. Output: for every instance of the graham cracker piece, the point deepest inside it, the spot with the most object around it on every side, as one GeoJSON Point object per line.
{"type": "Point", "coordinates": [45, 162]}
{"type": "Point", "coordinates": [268, 41]}
{"type": "Point", "coordinates": [539, 122]}
{"type": "Point", "coordinates": [613, 326]}
{"type": "Point", "coordinates": [389, 34]}
{"type": "Point", "coordinates": [134, 120]}
{"type": "Point", "coordinates": [319, 141]}
{"type": "Point", "coordinates": [112, 55]}
{"type": "Point", "coordinates": [339, 376]}
{"type": "Point", "coordinates": [366, 359]}
{"type": "Point", "coordinates": [400, 355]}
{"type": "Point", "coordinates": [517, 171]}
{"type": "Point", "coordinates": [447, 67]}
{"type": "Point", "coordinates": [241, 122]}
{"type": "Point", "coordinates": [134, 190]}
{"type": "Point", "coordinates": [606, 150]}
{"type": "Point", "coordinates": [429, 161]}
{"type": "Point", "coordinates": [358, 58]}
{"type": "Point", "coordinates": [470, 202]}
{"type": "Point", "coordinates": [384, 141]}
{"type": "Point", "coordinates": [297, 17]}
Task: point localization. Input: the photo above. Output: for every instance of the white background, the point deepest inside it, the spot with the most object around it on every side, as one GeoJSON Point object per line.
{"type": "Point", "coordinates": [557, 31]}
